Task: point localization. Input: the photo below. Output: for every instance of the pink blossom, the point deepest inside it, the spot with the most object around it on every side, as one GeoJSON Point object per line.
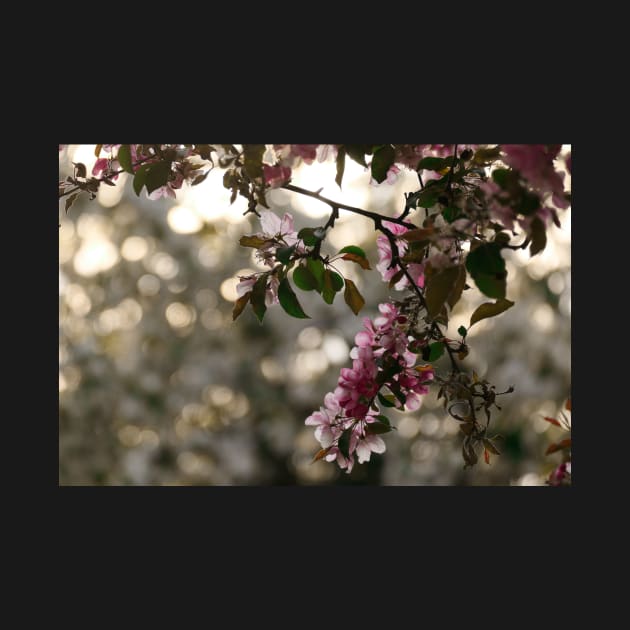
{"type": "Point", "coordinates": [326, 432]}
{"type": "Point", "coordinates": [385, 258]}
{"type": "Point", "coordinates": [247, 283]}
{"type": "Point", "coordinates": [102, 164]}
{"type": "Point", "coordinates": [308, 152]}
{"type": "Point", "coordinates": [275, 176]}
{"type": "Point", "coordinates": [368, 445]}
{"type": "Point", "coordinates": [561, 476]}
{"type": "Point", "coordinates": [162, 191]}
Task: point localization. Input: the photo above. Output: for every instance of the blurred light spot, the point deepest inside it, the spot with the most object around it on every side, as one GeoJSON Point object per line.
{"type": "Point", "coordinates": [309, 364]}
{"type": "Point", "coordinates": [429, 424]}
{"type": "Point", "coordinates": [72, 377]}
{"type": "Point", "coordinates": [179, 315]}
{"type": "Point", "coordinates": [310, 338]}
{"type": "Point", "coordinates": [134, 248]}
{"type": "Point", "coordinates": [530, 479]}
{"type": "Point", "coordinates": [336, 348]}
{"type": "Point", "coordinates": [164, 265]}
{"type": "Point", "coordinates": [62, 383]}
{"type": "Point", "coordinates": [408, 427]}
{"type": "Point", "coordinates": [108, 321]}
{"type": "Point", "coordinates": [543, 317]}
{"type": "Point", "coordinates": [182, 428]}
{"type": "Point", "coordinates": [177, 287]}
{"type": "Point", "coordinates": [206, 298]}
{"type": "Point", "coordinates": [150, 438]}
{"type": "Point", "coordinates": [209, 256]}
{"type": "Point", "coordinates": [349, 231]}
{"type": "Point", "coordinates": [219, 395]}
{"type": "Point", "coordinates": [184, 220]}
{"type": "Point", "coordinates": [95, 255]}
{"type": "Point", "coordinates": [555, 282]}
{"type": "Point", "coordinates": [564, 304]}
{"type": "Point", "coordinates": [422, 450]}
{"type": "Point", "coordinates": [148, 285]}
{"type": "Point", "coordinates": [110, 196]}
{"type": "Point", "coordinates": [77, 300]}
{"type": "Point", "coordinates": [189, 463]}
{"type": "Point", "coordinates": [129, 435]}
{"type": "Point", "coordinates": [66, 231]}
{"type": "Point", "coordinates": [211, 319]}
{"type": "Point", "coordinates": [130, 313]}
{"type": "Point", "coordinates": [239, 406]}
{"type": "Point", "coordinates": [228, 289]}
{"type": "Point", "coordinates": [63, 282]}
{"type": "Point", "coordinates": [272, 370]}
{"type": "Point", "coordinates": [93, 226]}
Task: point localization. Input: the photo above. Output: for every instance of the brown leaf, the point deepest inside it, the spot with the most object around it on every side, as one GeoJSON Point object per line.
{"type": "Point", "coordinates": [363, 262]}
{"type": "Point", "coordinates": [352, 297]}
{"type": "Point", "coordinates": [490, 446]}
{"type": "Point", "coordinates": [568, 405]}
{"type": "Point", "coordinates": [240, 304]}
{"type": "Point", "coordinates": [439, 286]}
{"type": "Point", "coordinates": [552, 420]}
{"type": "Point", "coordinates": [558, 446]}
{"type": "Point", "coordinates": [252, 241]}
{"type": "Point", "coordinates": [486, 456]}
{"type": "Point", "coordinates": [458, 287]}
{"type": "Point", "coordinates": [321, 454]}
{"type": "Point", "coordinates": [70, 200]}
{"type": "Point", "coordinates": [488, 309]}
{"type": "Point", "coordinates": [396, 277]}
{"type": "Point", "coordinates": [420, 234]}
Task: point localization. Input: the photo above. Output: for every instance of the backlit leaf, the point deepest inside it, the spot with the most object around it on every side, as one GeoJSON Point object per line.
{"type": "Point", "coordinates": [288, 300]}
{"type": "Point", "coordinates": [240, 305]}
{"type": "Point", "coordinates": [304, 279]}
{"type": "Point", "coordinates": [258, 297]}
{"type": "Point", "coordinates": [488, 309]}
{"type": "Point", "coordinates": [353, 297]}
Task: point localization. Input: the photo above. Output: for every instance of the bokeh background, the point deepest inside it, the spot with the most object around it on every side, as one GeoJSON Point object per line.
{"type": "Point", "coordinates": [157, 385]}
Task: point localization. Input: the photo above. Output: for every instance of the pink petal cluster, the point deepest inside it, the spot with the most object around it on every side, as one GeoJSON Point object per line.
{"type": "Point", "coordinates": [277, 232]}
{"type": "Point", "coordinates": [535, 164]}
{"type": "Point", "coordinates": [385, 258]}
{"type": "Point", "coordinates": [287, 156]}
{"type": "Point", "coordinates": [561, 476]}
{"type": "Point", "coordinates": [381, 345]}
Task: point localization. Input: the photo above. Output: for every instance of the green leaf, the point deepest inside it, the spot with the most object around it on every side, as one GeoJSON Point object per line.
{"type": "Point", "coordinates": [283, 254]}
{"type": "Point", "coordinates": [341, 165]}
{"type": "Point", "coordinates": [140, 178]}
{"type": "Point", "coordinates": [311, 236]}
{"type": "Point", "coordinates": [304, 279]}
{"type": "Point", "coordinates": [252, 241]}
{"type": "Point", "coordinates": [384, 420]}
{"type": "Point", "coordinates": [352, 249]}
{"type": "Point", "coordinates": [488, 309]}
{"type": "Point", "coordinates": [353, 298]}
{"type": "Point", "coordinates": [428, 197]}
{"type": "Point", "coordinates": [333, 282]}
{"type": "Point", "coordinates": [439, 287]}
{"type": "Point", "coordinates": [124, 157]}
{"type": "Point", "coordinates": [240, 305]}
{"type": "Point", "coordinates": [387, 400]}
{"type": "Point", "coordinates": [357, 152]}
{"type": "Point", "coordinates": [487, 268]}
{"type": "Point", "coordinates": [436, 350]}
{"type": "Point", "coordinates": [381, 162]}
{"type": "Point", "coordinates": [343, 444]}
{"type": "Point", "coordinates": [258, 297]}
{"type": "Point", "coordinates": [450, 213]}
{"type": "Point", "coordinates": [434, 163]}
{"type": "Point", "coordinates": [462, 331]}
{"type": "Point", "coordinates": [157, 175]}
{"type": "Point", "coordinates": [539, 237]}
{"type": "Point", "coordinates": [374, 428]}
{"type": "Point", "coordinates": [288, 300]}
{"type": "Point", "coordinates": [316, 267]}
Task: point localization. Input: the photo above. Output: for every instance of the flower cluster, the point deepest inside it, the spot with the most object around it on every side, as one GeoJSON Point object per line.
{"type": "Point", "coordinates": [349, 421]}
{"type": "Point", "coordinates": [384, 264]}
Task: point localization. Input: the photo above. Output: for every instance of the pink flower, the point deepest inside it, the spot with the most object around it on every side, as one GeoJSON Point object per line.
{"type": "Point", "coordinates": [308, 152]}
{"type": "Point", "coordinates": [561, 476]}
{"type": "Point", "coordinates": [275, 176]}
{"type": "Point", "coordinates": [247, 284]}
{"type": "Point", "coordinates": [162, 191]}
{"type": "Point", "coordinates": [385, 258]}
{"type": "Point", "coordinates": [102, 164]}
{"type": "Point", "coordinates": [326, 432]}
{"type": "Point", "coordinates": [368, 445]}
